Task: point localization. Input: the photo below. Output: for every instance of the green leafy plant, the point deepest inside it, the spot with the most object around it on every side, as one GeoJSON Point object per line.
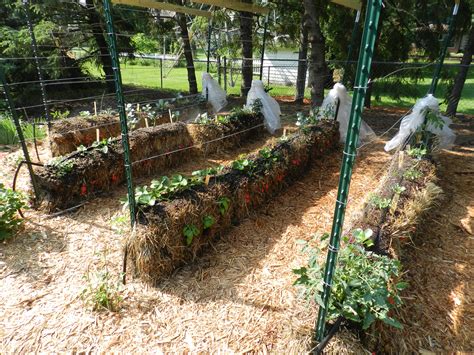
{"type": "Point", "coordinates": [10, 202]}
{"type": "Point", "coordinates": [257, 106]}
{"type": "Point", "coordinates": [222, 119]}
{"type": "Point", "coordinates": [398, 189]}
{"type": "Point", "coordinates": [164, 188]}
{"type": "Point", "coordinates": [223, 204]}
{"type": "Point", "coordinates": [58, 115]}
{"type": "Point", "coordinates": [61, 166]}
{"type": "Point", "coordinates": [417, 153]}
{"type": "Point", "coordinates": [364, 286]}
{"type": "Point", "coordinates": [81, 149]}
{"type": "Point", "coordinates": [203, 118]}
{"type": "Point", "coordinates": [379, 202]}
{"type": "Point", "coordinates": [208, 222]}
{"type": "Point", "coordinates": [190, 231]}
{"type": "Point", "coordinates": [268, 156]}
{"type": "Point", "coordinates": [84, 114]}
{"type": "Point", "coordinates": [209, 171]}
{"type": "Point", "coordinates": [412, 174]}
{"type": "Point", "coordinates": [102, 145]}
{"type": "Point", "coordinates": [245, 165]}
{"type": "Point", "coordinates": [102, 291]}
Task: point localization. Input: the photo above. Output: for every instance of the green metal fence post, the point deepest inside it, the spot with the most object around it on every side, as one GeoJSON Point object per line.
{"type": "Point", "coordinates": [121, 108]}
{"type": "Point", "coordinates": [209, 34]}
{"type": "Point", "coordinates": [264, 41]}
{"type": "Point", "coordinates": [444, 48]}
{"type": "Point", "coordinates": [362, 78]}
{"type": "Point", "coordinates": [19, 131]}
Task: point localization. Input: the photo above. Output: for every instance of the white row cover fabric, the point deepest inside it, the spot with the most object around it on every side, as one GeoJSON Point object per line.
{"type": "Point", "coordinates": [415, 119]}
{"type": "Point", "coordinates": [270, 107]}
{"type": "Point", "coordinates": [339, 92]}
{"type": "Point", "coordinates": [215, 94]}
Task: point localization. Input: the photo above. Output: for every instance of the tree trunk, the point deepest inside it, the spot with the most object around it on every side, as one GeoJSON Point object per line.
{"type": "Point", "coordinates": [461, 77]}
{"type": "Point", "coordinates": [318, 66]}
{"type": "Point", "coordinates": [246, 25]}
{"type": "Point", "coordinates": [188, 53]}
{"type": "Point", "coordinates": [97, 27]}
{"type": "Point", "coordinates": [302, 62]}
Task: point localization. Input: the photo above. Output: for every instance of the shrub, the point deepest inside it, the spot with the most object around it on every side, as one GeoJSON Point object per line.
{"type": "Point", "coordinates": [363, 286]}
{"type": "Point", "coordinates": [10, 202]}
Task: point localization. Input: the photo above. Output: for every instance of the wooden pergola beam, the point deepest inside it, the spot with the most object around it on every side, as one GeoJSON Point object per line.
{"type": "Point", "coordinates": [236, 5]}
{"type": "Point", "coordinates": [164, 6]}
{"type": "Point", "coordinates": [352, 4]}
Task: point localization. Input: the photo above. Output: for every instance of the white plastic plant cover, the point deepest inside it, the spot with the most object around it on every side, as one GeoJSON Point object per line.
{"type": "Point", "coordinates": [414, 120]}
{"type": "Point", "coordinates": [270, 107]}
{"type": "Point", "coordinates": [216, 95]}
{"type": "Point", "coordinates": [328, 106]}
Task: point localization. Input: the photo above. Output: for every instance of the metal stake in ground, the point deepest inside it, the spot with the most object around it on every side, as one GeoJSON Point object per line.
{"type": "Point", "coordinates": [208, 63]}
{"type": "Point", "coordinates": [19, 132]}
{"type": "Point", "coordinates": [350, 149]}
{"type": "Point", "coordinates": [350, 48]}
{"type": "Point", "coordinates": [123, 119]}
{"type": "Point", "coordinates": [444, 49]}
{"type": "Point", "coordinates": [264, 38]}
{"type": "Point", "coordinates": [434, 82]}
{"type": "Point", "coordinates": [34, 47]}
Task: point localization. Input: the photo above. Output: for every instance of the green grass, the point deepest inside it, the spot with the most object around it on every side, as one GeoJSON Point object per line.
{"type": "Point", "coordinates": [8, 134]}
{"type": "Point", "coordinates": [419, 89]}
{"type": "Point", "coordinates": [176, 79]}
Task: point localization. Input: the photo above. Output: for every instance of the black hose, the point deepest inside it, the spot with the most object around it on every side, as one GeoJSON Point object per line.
{"type": "Point", "coordinates": [16, 176]}
{"type": "Point", "coordinates": [320, 347]}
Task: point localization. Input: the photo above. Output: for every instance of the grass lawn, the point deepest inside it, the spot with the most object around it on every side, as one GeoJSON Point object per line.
{"type": "Point", "coordinates": [176, 79]}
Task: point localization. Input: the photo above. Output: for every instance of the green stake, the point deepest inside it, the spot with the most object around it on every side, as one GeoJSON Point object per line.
{"type": "Point", "coordinates": [121, 108]}
{"type": "Point", "coordinates": [19, 131]}
{"type": "Point", "coordinates": [444, 48]}
{"type": "Point", "coordinates": [350, 149]}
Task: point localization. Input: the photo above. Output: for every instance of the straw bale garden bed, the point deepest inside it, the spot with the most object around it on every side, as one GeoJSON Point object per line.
{"type": "Point", "coordinates": [178, 216]}
{"type": "Point", "coordinates": [383, 227]}
{"type": "Point", "coordinates": [66, 135]}
{"type": "Point", "coordinates": [78, 176]}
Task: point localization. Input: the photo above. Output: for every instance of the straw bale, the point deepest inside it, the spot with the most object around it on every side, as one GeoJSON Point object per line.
{"type": "Point", "coordinates": [161, 148]}
{"type": "Point", "coordinates": [159, 247]}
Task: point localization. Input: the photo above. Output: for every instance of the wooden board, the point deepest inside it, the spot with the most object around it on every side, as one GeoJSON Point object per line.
{"type": "Point", "coordinates": [164, 6]}
{"type": "Point", "coordinates": [236, 5]}
{"type": "Point", "coordinates": [352, 4]}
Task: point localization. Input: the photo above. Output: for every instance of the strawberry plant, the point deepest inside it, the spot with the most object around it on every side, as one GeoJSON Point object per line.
{"type": "Point", "coordinates": [244, 165]}
{"type": "Point", "coordinates": [209, 171]}
{"type": "Point", "coordinates": [61, 166]}
{"type": "Point", "coordinates": [164, 188]}
{"type": "Point", "coordinates": [417, 153]}
{"type": "Point", "coordinates": [102, 145]}
{"type": "Point", "coordinates": [203, 118]}
{"type": "Point", "coordinates": [398, 189]}
{"type": "Point", "coordinates": [10, 202]}
{"type": "Point", "coordinates": [223, 204]}
{"type": "Point", "coordinates": [208, 222]}
{"type": "Point", "coordinates": [364, 286]}
{"type": "Point", "coordinates": [221, 119]}
{"type": "Point", "coordinates": [379, 202]}
{"type": "Point", "coordinates": [412, 174]}
{"type": "Point", "coordinates": [190, 231]}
